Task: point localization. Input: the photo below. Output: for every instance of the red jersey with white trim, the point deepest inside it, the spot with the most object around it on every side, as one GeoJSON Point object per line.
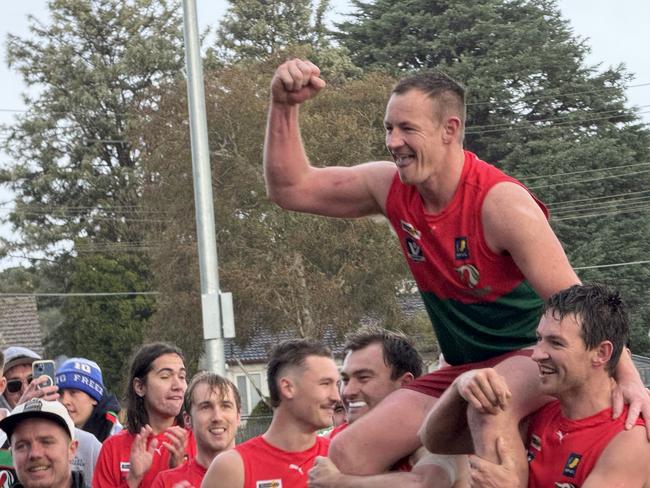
{"type": "Point", "coordinates": [113, 464]}
{"type": "Point", "coordinates": [266, 466]}
{"type": "Point", "coordinates": [190, 471]}
{"type": "Point", "coordinates": [479, 302]}
{"type": "Point", "coordinates": [336, 430]}
{"type": "Point", "coordinates": [562, 452]}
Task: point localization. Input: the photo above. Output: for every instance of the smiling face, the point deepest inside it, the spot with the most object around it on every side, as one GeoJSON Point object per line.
{"type": "Point", "coordinates": [42, 452]}
{"type": "Point", "coordinates": [214, 418]}
{"type": "Point", "coordinates": [416, 136]}
{"type": "Point", "coordinates": [365, 380]}
{"type": "Point", "coordinates": [311, 391]}
{"type": "Point", "coordinates": [164, 386]}
{"type": "Point", "coordinates": [564, 362]}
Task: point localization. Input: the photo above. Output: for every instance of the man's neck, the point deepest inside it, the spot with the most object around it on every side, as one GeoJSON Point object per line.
{"type": "Point", "coordinates": [288, 433]}
{"type": "Point", "coordinates": [204, 457]}
{"type": "Point", "coordinates": [439, 189]}
{"type": "Point", "coordinates": [591, 398]}
{"type": "Point", "coordinates": [159, 423]}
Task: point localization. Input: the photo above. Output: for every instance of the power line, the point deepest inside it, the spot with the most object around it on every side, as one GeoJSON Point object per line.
{"type": "Point", "coordinates": [601, 214]}
{"type": "Point", "coordinates": [597, 198]}
{"type": "Point", "coordinates": [590, 180]}
{"type": "Point", "coordinates": [602, 205]}
{"type": "Point", "coordinates": [612, 265]}
{"type": "Point", "coordinates": [99, 294]}
{"type": "Point", "coordinates": [556, 175]}
{"type": "Point", "coordinates": [570, 94]}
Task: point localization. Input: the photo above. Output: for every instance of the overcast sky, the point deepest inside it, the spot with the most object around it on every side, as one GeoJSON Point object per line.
{"type": "Point", "coordinates": [616, 32]}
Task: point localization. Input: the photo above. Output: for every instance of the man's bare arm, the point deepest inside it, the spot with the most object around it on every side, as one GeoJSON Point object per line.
{"type": "Point", "coordinates": [291, 181]}
{"type": "Point", "coordinates": [623, 463]}
{"type": "Point", "coordinates": [227, 469]}
{"type": "Point", "coordinates": [325, 475]}
{"type": "Point", "coordinates": [513, 223]}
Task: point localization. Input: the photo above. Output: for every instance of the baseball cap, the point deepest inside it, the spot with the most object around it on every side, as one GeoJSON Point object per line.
{"type": "Point", "coordinates": [38, 408]}
{"type": "Point", "coordinates": [81, 374]}
{"type": "Point", "coordinates": [17, 355]}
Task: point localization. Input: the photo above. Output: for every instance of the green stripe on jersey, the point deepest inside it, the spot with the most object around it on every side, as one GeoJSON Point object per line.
{"type": "Point", "coordinates": [469, 333]}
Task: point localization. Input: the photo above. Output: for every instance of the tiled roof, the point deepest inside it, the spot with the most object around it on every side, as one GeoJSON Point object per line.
{"type": "Point", "coordinates": [19, 325]}
{"type": "Point", "coordinates": [257, 349]}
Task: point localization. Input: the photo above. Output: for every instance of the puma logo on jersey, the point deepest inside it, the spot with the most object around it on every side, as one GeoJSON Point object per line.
{"type": "Point", "coordinates": [296, 467]}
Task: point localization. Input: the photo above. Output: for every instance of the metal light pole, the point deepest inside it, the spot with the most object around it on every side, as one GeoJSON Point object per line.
{"type": "Point", "coordinates": [216, 307]}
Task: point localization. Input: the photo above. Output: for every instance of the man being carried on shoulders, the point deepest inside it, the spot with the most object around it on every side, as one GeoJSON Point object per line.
{"type": "Point", "coordinates": [477, 242]}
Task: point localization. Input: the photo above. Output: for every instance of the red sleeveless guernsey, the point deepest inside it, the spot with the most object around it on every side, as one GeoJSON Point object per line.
{"type": "Point", "coordinates": [266, 466]}
{"type": "Point", "coordinates": [479, 303]}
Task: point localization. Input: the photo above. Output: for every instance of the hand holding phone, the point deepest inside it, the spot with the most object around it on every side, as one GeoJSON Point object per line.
{"type": "Point", "coordinates": [44, 368]}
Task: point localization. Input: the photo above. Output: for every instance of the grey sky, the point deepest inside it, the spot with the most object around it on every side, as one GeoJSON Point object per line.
{"type": "Point", "coordinates": [614, 30]}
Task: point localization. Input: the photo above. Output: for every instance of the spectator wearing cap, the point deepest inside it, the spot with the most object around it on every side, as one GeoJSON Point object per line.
{"type": "Point", "coordinates": [18, 376]}
{"type": "Point", "coordinates": [20, 389]}
{"type": "Point", "coordinates": [42, 437]}
{"type": "Point", "coordinates": [90, 405]}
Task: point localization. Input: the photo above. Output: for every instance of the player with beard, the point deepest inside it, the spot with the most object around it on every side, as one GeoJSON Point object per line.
{"type": "Point", "coordinates": [155, 439]}
{"type": "Point", "coordinates": [302, 379]}
{"type": "Point", "coordinates": [213, 411]}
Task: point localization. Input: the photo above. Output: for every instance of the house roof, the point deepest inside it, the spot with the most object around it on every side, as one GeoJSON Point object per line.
{"type": "Point", "coordinates": [19, 325]}
{"type": "Point", "coordinates": [257, 348]}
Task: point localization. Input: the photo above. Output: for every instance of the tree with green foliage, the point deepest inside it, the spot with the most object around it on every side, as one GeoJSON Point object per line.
{"type": "Point", "coordinates": [255, 29]}
{"type": "Point", "coordinates": [76, 172]}
{"type": "Point", "coordinates": [536, 110]}
{"type": "Point", "coordinates": [285, 270]}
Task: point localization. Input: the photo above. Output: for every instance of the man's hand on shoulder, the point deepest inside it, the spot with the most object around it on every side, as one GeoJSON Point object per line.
{"type": "Point", "coordinates": [296, 81]}
{"type": "Point", "coordinates": [484, 389]}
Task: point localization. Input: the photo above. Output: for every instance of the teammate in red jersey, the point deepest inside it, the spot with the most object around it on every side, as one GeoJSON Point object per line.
{"type": "Point", "coordinates": [155, 438]}
{"type": "Point", "coordinates": [478, 245]}
{"type": "Point", "coordinates": [213, 410]}
{"type": "Point", "coordinates": [572, 441]}
{"type": "Point", "coordinates": [302, 379]}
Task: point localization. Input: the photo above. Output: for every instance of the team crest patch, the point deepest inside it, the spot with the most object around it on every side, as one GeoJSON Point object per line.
{"type": "Point", "coordinates": [535, 442]}
{"type": "Point", "coordinates": [414, 250]}
{"type": "Point", "coordinates": [410, 229]}
{"type": "Point", "coordinates": [469, 275]}
{"type": "Point", "coordinates": [571, 465]}
{"type": "Point", "coordinates": [125, 467]}
{"type": "Point", "coordinates": [460, 248]}
{"type": "Point", "coordinates": [564, 485]}
{"type": "Point", "coordinates": [269, 484]}
{"type": "Point", "coordinates": [530, 456]}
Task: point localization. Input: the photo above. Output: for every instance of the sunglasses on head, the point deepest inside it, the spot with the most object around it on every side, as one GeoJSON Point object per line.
{"type": "Point", "coordinates": [14, 386]}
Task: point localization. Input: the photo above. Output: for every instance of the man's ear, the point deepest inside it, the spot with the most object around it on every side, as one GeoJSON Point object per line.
{"type": "Point", "coordinates": [187, 419]}
{"type": "Point", "coordinates": [72, 450]}
{"type": "Point", "coordinates": [3, 384]}
{"type": "Point", "coordinates": [405, 379]}
{"type": "Point", "coordinates": [452, 127]}
{"type": "Point", "coordinates": [287, 387]}
{"type": "Point", "coordinates": [139, 387]}
{"type": "Point", "coordinates": [602, 354]}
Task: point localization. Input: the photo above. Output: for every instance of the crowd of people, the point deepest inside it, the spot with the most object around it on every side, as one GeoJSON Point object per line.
{"type": "Point", "coordinates": [534, 387]}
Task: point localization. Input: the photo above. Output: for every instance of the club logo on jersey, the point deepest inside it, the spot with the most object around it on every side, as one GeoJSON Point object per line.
{"type": "Point", "coordinates": [571, 465]}
{"type": "Point", "coordinates": [564, 485]}
{"type": "Point", "coordinates": [535, 442]}
{"type": "Point", "coordinates": [530, 455]}
{"type": "Point", "coordinates": [460, 248]}
{"type": "Point", "coordinates": [468, 274]}
{"type": "Point", "coordinates": [7, 479]}
{"type": "Point", "coordinates": [414, 250]}
{"type": "Point", "coordinates": [269, 484]}
{"type": "Point", "coordinates": [410, 229]}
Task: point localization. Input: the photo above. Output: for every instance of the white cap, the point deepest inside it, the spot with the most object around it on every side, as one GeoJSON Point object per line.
{"type": "Point", "coordinates": [38, 408]}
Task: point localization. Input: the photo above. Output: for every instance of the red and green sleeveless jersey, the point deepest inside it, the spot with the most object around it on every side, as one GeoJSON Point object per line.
{"type": "Point", "coordinates": [479, 303]}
